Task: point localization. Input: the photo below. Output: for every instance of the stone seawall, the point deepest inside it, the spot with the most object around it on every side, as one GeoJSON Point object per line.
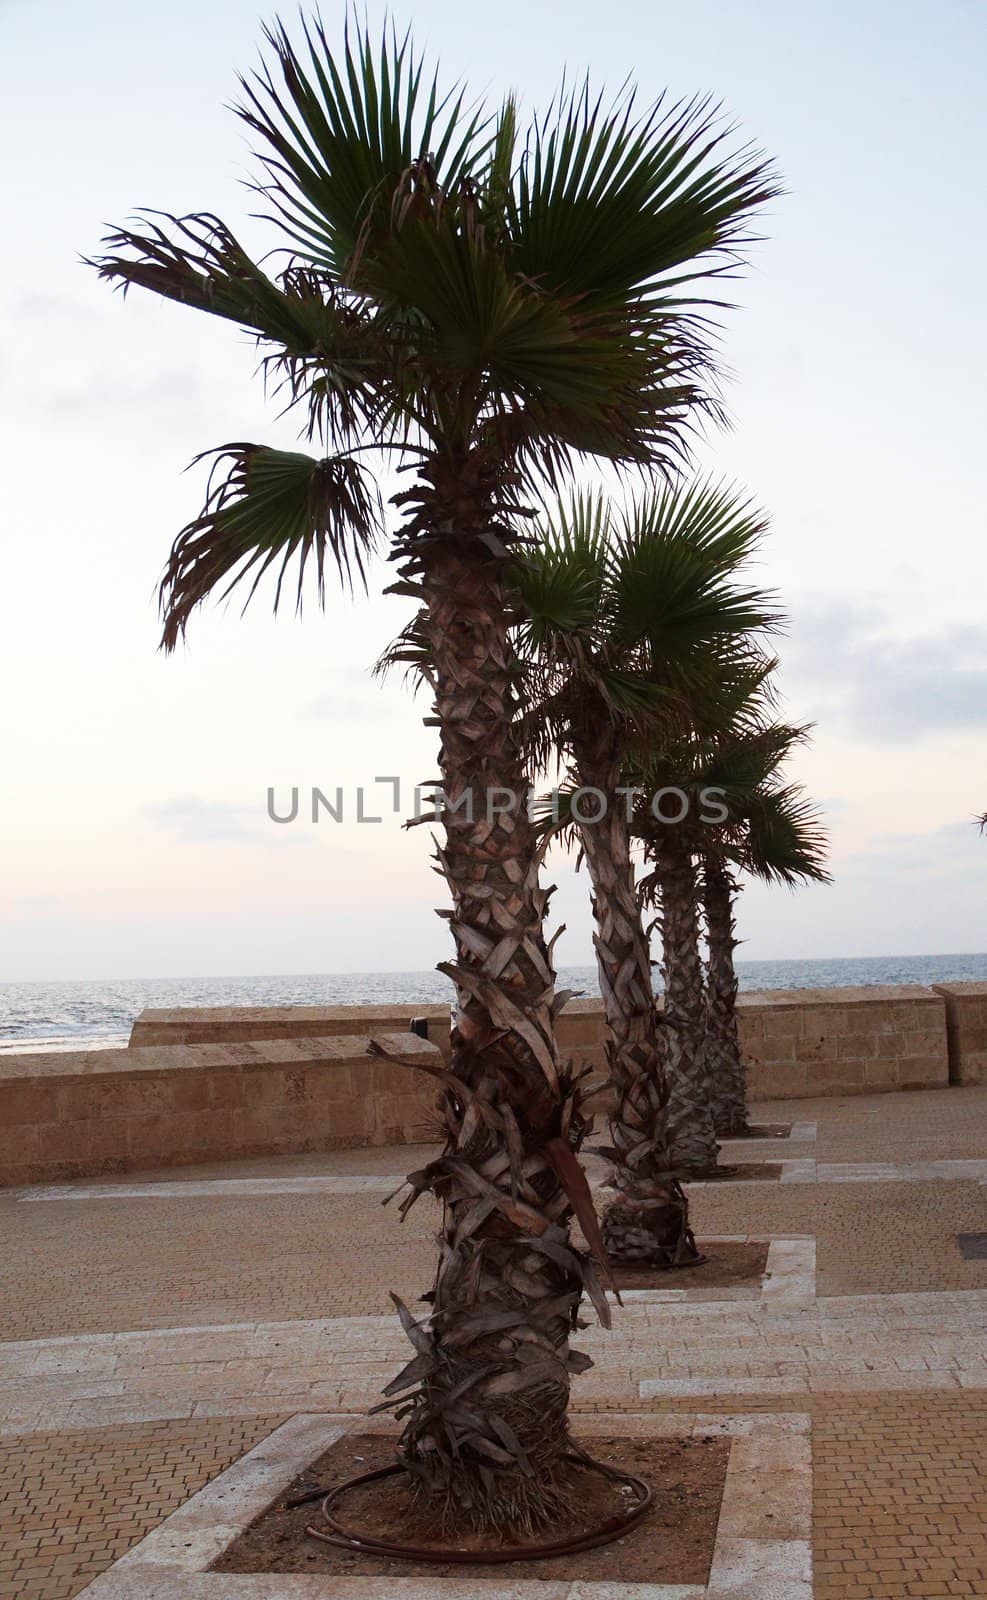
{"type": "Point", "coordinates": [796, 1042]}
{"type": "Point", "coordinates": [78, 1114]}
{"type": "Point", "coordinates": [802, 1042]}
{"type": "Point", "coordinates": [242, 1024]}
{"type": "Point", "coordinates": [966, 1029]}
{"type": "Point", "coordinates": [205, 1084]}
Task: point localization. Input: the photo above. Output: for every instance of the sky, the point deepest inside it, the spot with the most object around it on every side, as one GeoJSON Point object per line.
{"type": "Point", "coordinates": [135, 838]}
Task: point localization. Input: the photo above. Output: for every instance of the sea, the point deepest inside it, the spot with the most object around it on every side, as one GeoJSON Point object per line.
{"type": "Point", "coordinates": [98, 1015]}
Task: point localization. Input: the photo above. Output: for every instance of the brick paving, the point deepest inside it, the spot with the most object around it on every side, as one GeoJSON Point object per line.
{"type": "Point", "coordinates": [900, 1499]}
{"type": "Point", "coordinates": [891, 1363]}
{"type": "Point", "coordinates": [72, 1503]}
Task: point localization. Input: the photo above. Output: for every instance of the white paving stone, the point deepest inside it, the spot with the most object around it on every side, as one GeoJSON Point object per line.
{"type": "Point", "coordinates": [218, 1188]}
{"type": "Point", "coordinates": [772, 1346]}
{"type": "Point", "coordinates": [758, 1569]}
{"type": "Point", "coordinates": [794, 1170]}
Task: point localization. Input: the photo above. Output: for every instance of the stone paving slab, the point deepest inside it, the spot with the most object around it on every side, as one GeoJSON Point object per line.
{"type": "Point", "coordinates": [796, 1170]}
{"type": "Point", "coordinates": [859, 1344]}
{"type": "Point", "coordinates": [219, 1188]}
{"type": "Point", "coordinates": [72, 1503]}
{"type": "Point", "coordinates": [789, 1278]}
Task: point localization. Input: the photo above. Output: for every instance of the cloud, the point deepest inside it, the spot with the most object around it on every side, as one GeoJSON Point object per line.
{"type": "Point", "coordinates": [197, 821]}
{"type": "Point", "coordinates": [168, 399]}
{"type": "Point", "coordinates": [192, 820]}
{"type": "Point", "coordinates": [847, 663]}
{"type": "Point", "coordinates": [44, 305]}
{"type": "Point", "coordinates": [955, 852]}
{"type": "Point", "coordinates": [906, 892]}
{"type": "Point", "coordinates": [354, 695]}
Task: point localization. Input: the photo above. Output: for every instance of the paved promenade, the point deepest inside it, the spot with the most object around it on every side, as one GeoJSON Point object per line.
{"type": "Point", "coordinates": [153, 1329]}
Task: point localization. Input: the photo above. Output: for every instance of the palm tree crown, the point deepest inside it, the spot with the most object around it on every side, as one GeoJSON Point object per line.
{"type": "Point", "coordinates": [448, 285]}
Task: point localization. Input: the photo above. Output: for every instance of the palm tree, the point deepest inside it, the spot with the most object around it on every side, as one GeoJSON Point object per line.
{"type": "Point", "coordinates": [625, 622]}
{"type": "Point", "coordinates": [672, 889]}
{"type": "Point", "coordinates": [484, 306]}
{"type": "Point", "coordinates": [689, 769]}
{"type": "Point", "coordinates": [773, 833]}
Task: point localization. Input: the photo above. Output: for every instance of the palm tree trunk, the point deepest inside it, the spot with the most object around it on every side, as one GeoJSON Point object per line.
{"type": "Point", "coordinates": [648, 1220]}
{"type": "Point", "coordinates": [728, 1079]}
{"type": "Point", "coordinates": [689, 1114]}
{"type": "Point", "coordinates": [488, 1427]}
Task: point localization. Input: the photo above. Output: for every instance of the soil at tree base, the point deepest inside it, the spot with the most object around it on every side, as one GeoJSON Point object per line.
{"type": "Point", "coordinates": [759, 1130]}
{"type": "Point", "coordinates": [746, 1173]}
{"type": "Point", "coordinates": [727, 1266]}
{"type": "Point", "coordinates": [673, 1544]}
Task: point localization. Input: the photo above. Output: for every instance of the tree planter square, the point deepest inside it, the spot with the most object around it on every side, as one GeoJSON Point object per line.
{"type": "Point", "coordinates": [762, 1547]}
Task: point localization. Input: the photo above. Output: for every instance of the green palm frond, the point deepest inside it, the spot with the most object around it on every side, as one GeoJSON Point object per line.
{"type": "Point", "coordinates": [680, 550]}
{"type": "Point", "coordinates": [561, 584]}
{"type": "Point", "coordinates": [327, 349]}
{"type": "Point", "coordinates": [738, 694]}
{"type": "Point", "coordinates": [201, 264]}
{"type": "Point", "coordinates": [553, 814]}
{"type": "Point", "coordinates": [730, 744]}
{"type": "Point", "coordinates": [269, 507]}
{"type": "Point", "coordinates": [610, 203]}
{"type": "Point", "coordinates": [717, 518]}
{"type": "Point", "coordinates": [360, 141]}
{"type": "Point", "coordinates": [676, 584]}
{"type": "Point", "coordinates": [411, 651]}
{"type": "Point", "coordinates": [455, 285]}
{"type": "Point", "coordinates": [746, 762]}
{"type": "Point", "coordinates": [786, 841]}
{"type": "Point", "coordinates": [682, 603]}
{"type": "Point", "coordinates": [634, 630]}
{"type": "Point", "coordinates": [505, 339]}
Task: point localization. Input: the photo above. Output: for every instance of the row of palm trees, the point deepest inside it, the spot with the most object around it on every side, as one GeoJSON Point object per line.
{"type": "Point", "coordinates": [640, 644]}
{"type": "Point", "coordinates": [643, 641]}
{"type": "Point", "coordinates": [485, 307]}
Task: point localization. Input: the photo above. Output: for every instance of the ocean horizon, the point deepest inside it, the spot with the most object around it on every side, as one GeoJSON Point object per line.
{"type": "Point", "coordinates": [98, 1014]}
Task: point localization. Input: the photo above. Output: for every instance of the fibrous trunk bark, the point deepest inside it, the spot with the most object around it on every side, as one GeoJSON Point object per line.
{"type": "Point", "coordinates": [486, 1396]}
{"type": "Point", "coordinates": [689, 1113]}
{"type": "Point", "coordinates": [727, 1077]}
{"type": "Point", "coordinates": [648, 1220]}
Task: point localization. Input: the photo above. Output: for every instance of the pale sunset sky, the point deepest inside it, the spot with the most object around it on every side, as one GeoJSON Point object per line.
{"type": "Point", "coordinates": [135, 838]}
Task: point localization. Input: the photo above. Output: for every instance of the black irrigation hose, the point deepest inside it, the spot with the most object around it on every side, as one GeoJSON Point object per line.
{"type": "Point", "coordinates": [612, 1529]}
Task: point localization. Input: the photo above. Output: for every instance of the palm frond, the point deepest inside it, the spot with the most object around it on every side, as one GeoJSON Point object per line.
{"type": "Point", "coordinates": [359, 137]}
{"type": "Point", "coordinates": [561, 582]}
{"type": "Point", "coordinates": [328, 350]}
{"type": "Point", "coordinates": [745, 761]}
{"type": "Point", "coordinates": [267, 506]}
{"type": "Point", "coordinates": [786, 841]}
{"type": "Point", "coordinates": [727, 743]}
{"type": "Point", "coordinates": [610, 202]}
{"type": "Point", "coordinates": [410, 650]}
{"type": "Point", "coordinates": [718, 519]}
{"type": "Point", "coordinates": [640, 621]}
{"type": "Point", "coordinates": [200, 263]}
